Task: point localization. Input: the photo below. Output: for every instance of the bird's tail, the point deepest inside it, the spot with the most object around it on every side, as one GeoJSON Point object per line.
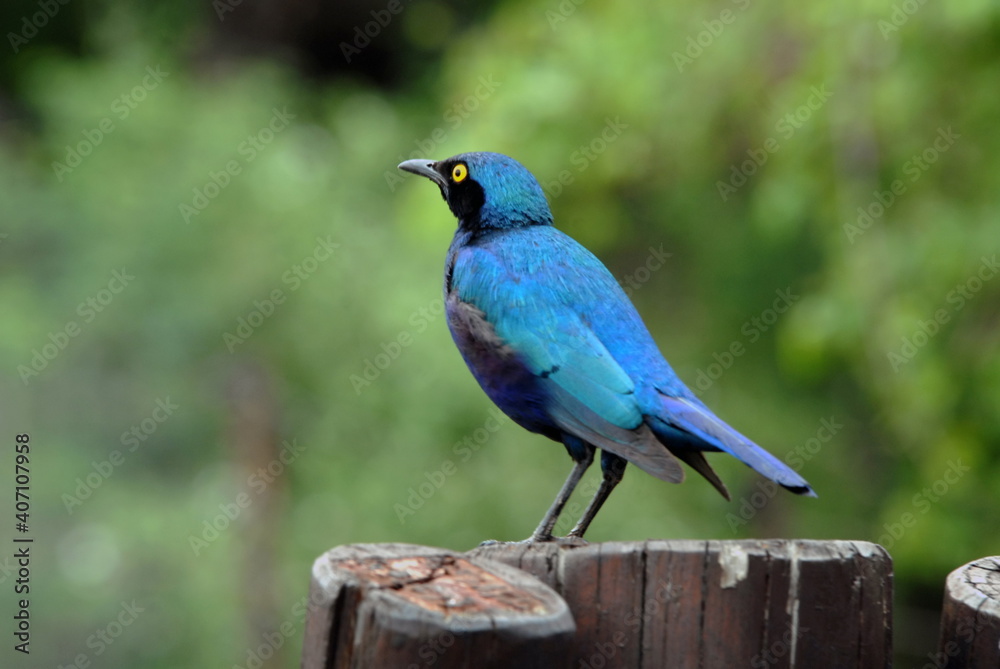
{"type": "Point", "coordinates": [690, 417]}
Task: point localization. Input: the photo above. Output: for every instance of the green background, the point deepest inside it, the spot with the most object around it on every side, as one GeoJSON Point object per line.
{"type": "Point", "coordinates": [801, 198]}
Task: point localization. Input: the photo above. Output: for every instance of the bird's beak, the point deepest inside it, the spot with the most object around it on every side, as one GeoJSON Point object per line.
{"type": "Point", "coordinates": [424, 168]}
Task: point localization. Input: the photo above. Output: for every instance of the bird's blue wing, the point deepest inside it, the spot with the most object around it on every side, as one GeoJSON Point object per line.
{"type": "Point", "coordinates": [531, 310]}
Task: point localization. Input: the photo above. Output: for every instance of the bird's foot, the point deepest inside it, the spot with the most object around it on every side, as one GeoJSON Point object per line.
{"type": "Point", "coordinates": [495, 542]}
{"type": "Point", "coordinates": [568, 540]}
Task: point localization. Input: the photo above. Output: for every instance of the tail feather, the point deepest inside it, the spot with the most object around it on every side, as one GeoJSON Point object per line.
{"type": "Point", "coordinates": [696, 460]}
{"type": "Point", "coordinates": [693, 418]}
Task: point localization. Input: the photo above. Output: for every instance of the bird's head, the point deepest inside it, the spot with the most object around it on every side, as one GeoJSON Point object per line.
{"type": "Point", "coordinates": [486, 190]}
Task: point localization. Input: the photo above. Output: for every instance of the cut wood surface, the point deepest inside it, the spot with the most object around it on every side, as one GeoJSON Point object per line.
{"type": "Point", "coordinates": [568, 604]}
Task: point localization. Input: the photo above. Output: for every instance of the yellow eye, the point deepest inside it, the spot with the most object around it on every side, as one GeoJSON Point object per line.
{"type": "Point", "coordinates": [459, 172]}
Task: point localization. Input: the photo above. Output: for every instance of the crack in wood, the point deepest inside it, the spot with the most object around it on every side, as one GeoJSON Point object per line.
{"type": "Point", "coordinates": [444, 583]}
{"type": "Point", "coordinates": [644, 571]}
{"type": "Point", "coordinates": [706, 560]}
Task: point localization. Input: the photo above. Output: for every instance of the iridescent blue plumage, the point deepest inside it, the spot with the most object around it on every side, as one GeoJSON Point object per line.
{"type": "Point", "coordinates": [554, 341]}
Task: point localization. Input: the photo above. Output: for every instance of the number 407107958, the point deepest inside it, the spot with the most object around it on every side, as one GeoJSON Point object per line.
{"type": "Point", "coordinates": [22, 479]}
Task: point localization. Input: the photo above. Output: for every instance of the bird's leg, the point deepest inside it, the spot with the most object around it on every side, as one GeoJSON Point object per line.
{"type": "Point", "coordinates": [586, 457]}
{"type": "Point", "coordinates": [613, 468]}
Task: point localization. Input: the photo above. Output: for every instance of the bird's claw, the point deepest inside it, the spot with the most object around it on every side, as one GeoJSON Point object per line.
{"type": "Point", "coordinates": [569, 540]}
{"type": "Point", "coordinates": [495, 542]}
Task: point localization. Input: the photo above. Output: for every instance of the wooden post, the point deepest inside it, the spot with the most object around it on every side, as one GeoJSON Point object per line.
{"type": "Point", "coordinates": [640, 604]}
{"type": "Point", "coordinates": [399, 605]}
{"type": "Point", "coordinates": [720, 603]}
{"type": "Point", "coordinates": [970, 619]}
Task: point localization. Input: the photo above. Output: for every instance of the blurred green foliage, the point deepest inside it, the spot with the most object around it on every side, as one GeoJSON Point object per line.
{"type": "Point", "coordinates": [742, 144]}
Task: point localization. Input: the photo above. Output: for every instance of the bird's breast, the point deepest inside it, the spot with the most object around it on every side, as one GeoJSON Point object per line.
{"type": "Point", "coordinates": [497, 367]}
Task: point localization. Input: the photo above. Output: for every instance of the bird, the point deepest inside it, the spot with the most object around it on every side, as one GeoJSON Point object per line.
{"type": "Point", "coordinates": [557, 345]}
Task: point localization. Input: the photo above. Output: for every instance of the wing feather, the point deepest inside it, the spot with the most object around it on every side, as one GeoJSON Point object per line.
{"type": "Point", "coordinates": [588, 393]}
